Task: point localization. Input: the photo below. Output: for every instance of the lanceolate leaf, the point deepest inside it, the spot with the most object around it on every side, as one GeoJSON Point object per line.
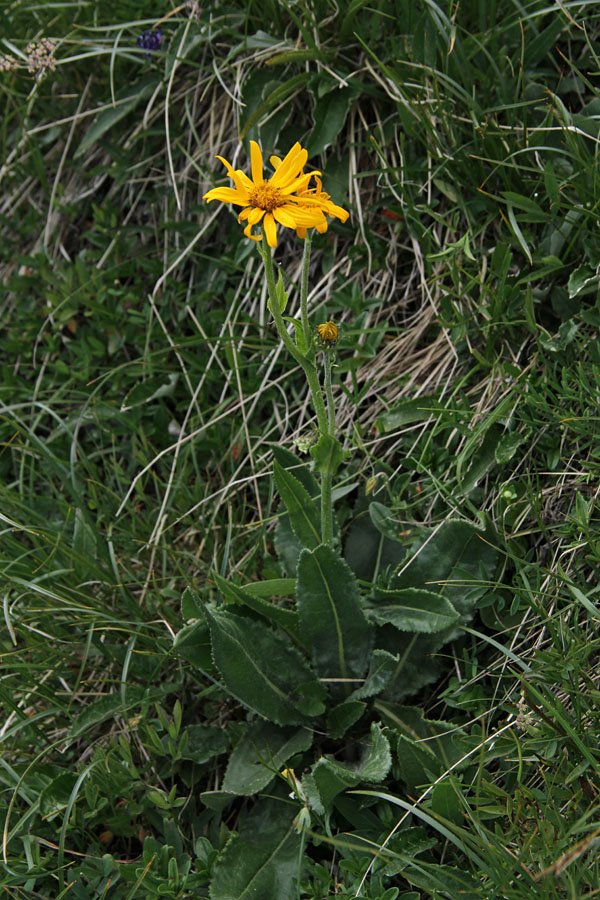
{"type": "Point", "coordinates": [413, 610]}
{"type": "Point", "coordinates": [382, 668]}
{"type": "Point", "coordinates": [261, 861]}
{"type": "Point", "coordinates": [260, 667]}
{"type": "Point", "coordinates": [304, 516]}
{"type": "Point", "coordinates": [331, 617]}
{"type": "Point", "coordinates": [287, 618]}
{"type": "Point", "coordinates": [458, 561]}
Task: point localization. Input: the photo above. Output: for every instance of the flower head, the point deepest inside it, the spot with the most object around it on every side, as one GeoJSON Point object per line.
{"type": "Point", "coordinates": [328, 332]}
{"type": "Point", "coordinates": [40, 57]}
{"type": "Point", "coordinates": [150, 41]}
{"type": "Point", "coordinates": [276, 200]}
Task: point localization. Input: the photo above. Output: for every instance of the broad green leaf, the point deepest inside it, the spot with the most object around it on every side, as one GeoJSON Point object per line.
{"type": "Point", "coordinates": [107, 707]}
{"type": "Point", "coordinates": [583, 280]}
{"type": "Point", "coordinates": [382, 667]}
{"type": "Point", "coordinates": [328, 777]}
{"type": "Point", "coordinates": [301, 509]}
{"type": "Point", "coordinates": [55, 796]}
{"type": "Point", "coordinates": [273, 587]}
{"type": "Point", "coordinates": [329, 115]}
{"type": "Point", "coordinates": [331, 617]}
{"type": "Point", "coordinates": [260, 667]}
{"type": "Point", "coordinates": [445, 801]}
{"type": "Point", "coordinates": [191, 605]}
{"type": "Point", "coordinates": [193, 643]}
{"type": "Point", "coordinates": [261, 753]}
{"type": "Point", "coordinates": [287, 618]}
{"type": "Point", "coordinates": [458, 561]}
{"type": "Point", "coordinates": [384, 521]}
{"type": "Point", "coordinates": [413, 609]}
{"type": "Point", "coordinates": [508, 445]}
{"type": "Point", "coordinates": [328, 453]}
{"type": "Point", "coordinates": [407, 411]}
{"type": "Point", "coordinates": [417, 765]}
{"type": "Point", "coordinates": [287, 545]}
{"type": "Point", "coordinates": [298, 469]}
{"type": "Point", "coordinates": [260, 862]}
{"type": "Point", "coordinates": [367, 551]}
{"type": "Point", "coordinates": [203, 742]}
{"type": "Point", "coordinates": [343, 716]}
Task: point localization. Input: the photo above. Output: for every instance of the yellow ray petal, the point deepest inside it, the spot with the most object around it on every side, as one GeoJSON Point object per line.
{"type": "Point", "coordinates": [284, 217]}
{"type": "Point", "coordinates": [270, 230]}
{"type": "Point", "coordinates": [227, 195]}
{"type": "Point", "coordinates": [257, 163]}
{"type": "Point", "coordinates": [290, 167]}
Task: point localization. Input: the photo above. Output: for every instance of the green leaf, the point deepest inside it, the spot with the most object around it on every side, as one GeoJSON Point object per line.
{"type": "Point", "coordinates": [287, 618]}
{"type": "Point", "coordinates": [413, 609]}
{"type": "Point", "coordinates": [329, 115]}
{"type": "Point", "coordinates": [328, 777]}
{"type": "Point", "coordinates": [273, 587]}
{"type": "Point", "coordinates": [328, 453]}
{"type": "Point", "coordinates": [107, 707]}
{"type": "Point", "coordinates": [459, 559]}
{"type": "Point", "coordinates": [518, 233]}
{"type": "Point", "coordinates": [260, 862]}
{"type": "Point", "coordinates": [126, 102]}
{"type": "Point", "coordinates": [261, 753]}
{"type": "Point", "coordinates": [508, 445]}
{"type": "Point", "coordinates": [300, 339]}
{"type": "Point", "coordinates": [150, 389]}
{"type": "Point", "coordinates": [331, 616]}
{"type": "Point", "coordinates": [193, 644]}
{"type": "Point", "coordinates": [418, 767]}
{"type": "Point", "coordinates": [583, 280]}
{"type": "Point", "coordinates": [445, 801]}
{"type": "Point", "coordinates": [282, 294]}
{"type": "Point", "coordinates": [384, 521]}
{"type": "Point", "coordinates": [303, 513]}
{"type": "Point", "coordinates": [55, 796]}
{"type": "Point", "coordinates": [277, 96]}
{"type": "Point", "coordinates": [260, 667]}
{"type": "Point", "coordinates": [382, 667]}
{"type": "Point", "coordinates": [298, 469]}
{"type": "Point", "coordinates": [343, 716]}
{"type": "Point", "coordinates": [203, 742]}
{"type": "Point", "coordinates": [407, 411]}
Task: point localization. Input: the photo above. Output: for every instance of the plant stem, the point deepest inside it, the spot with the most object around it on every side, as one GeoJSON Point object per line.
{"type": "Point", "coordinates": [304, 297]}
{"type": "Point", "coordinates": [308, 366]}
{"type": "Point", "coordinates": [327, 477]}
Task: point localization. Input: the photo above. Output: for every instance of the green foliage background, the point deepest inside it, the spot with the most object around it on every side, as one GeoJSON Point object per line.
{"type": "Point", "coordinates": [147, 427]}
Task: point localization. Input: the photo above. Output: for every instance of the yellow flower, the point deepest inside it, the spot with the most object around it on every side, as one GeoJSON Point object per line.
{"type": "Point", "coordinates": [274, 200]}
{"type": "Point", "coordinates": [328, 332]}
{"type": "Point", "coordinates": [315, 198]}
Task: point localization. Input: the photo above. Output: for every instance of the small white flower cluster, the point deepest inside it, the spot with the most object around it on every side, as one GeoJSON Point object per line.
{"type": "Point", "coordinates": [40, 57]}
{"type": "Point", "coordinates": [8, 64]}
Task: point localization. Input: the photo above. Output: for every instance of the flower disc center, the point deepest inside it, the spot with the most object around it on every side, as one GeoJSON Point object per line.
{"type": "Point", "coordinates": [266, 197]}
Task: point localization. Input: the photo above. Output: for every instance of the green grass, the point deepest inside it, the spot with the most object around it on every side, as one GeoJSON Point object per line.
{"type": "Point", "coordinates": [143, 390]}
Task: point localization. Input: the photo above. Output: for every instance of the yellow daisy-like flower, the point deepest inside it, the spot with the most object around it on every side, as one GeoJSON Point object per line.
{"type": "Point", "coordinates": [315, 198]}
{"type": "Point", "coordinates": [272, 201]}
